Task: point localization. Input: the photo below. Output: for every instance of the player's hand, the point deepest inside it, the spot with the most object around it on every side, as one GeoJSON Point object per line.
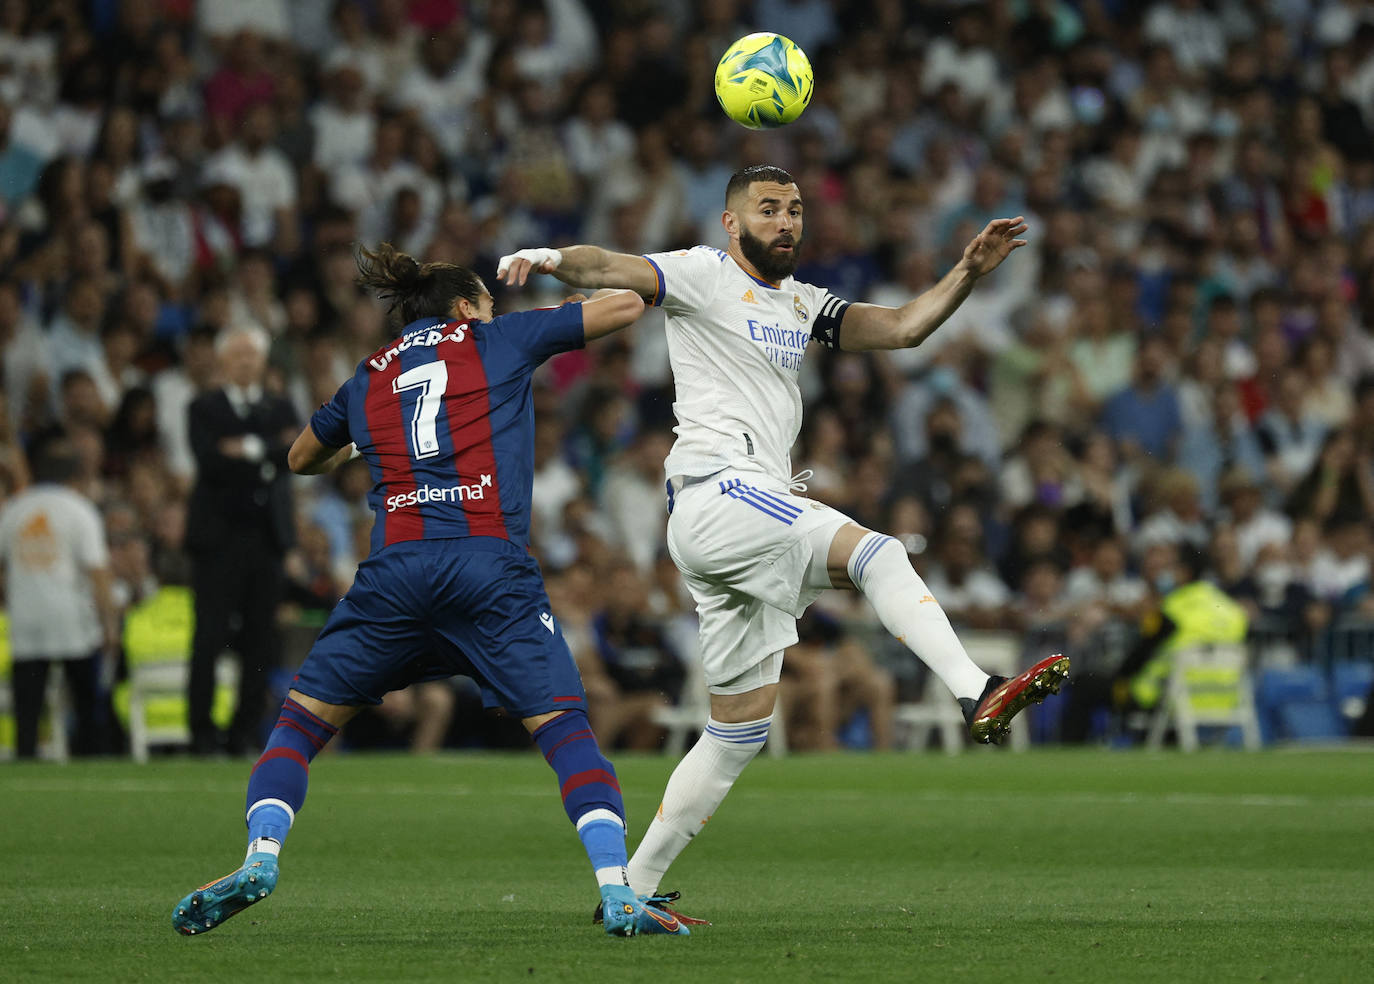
{"type": "Point", "coordinates": [516, 267]}
{"type": "Point", "coordinates": [994, 244]}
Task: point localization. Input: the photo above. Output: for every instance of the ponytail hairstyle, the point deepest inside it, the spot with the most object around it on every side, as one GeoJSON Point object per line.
{"type": "Point", "coordinates": [415, 290]}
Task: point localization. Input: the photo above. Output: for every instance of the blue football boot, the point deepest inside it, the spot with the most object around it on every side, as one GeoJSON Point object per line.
{"type": "Point", "coordinates": [625, 914]}
{"type": "Point", "coordinates": [212, 904]}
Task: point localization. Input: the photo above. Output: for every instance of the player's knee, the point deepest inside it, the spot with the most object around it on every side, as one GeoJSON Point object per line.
{"type": "Point", "coordinates": [750, 706]}
{"type": "Point", "coordinates": [844, 542]}
{"type": "Point", "coordinates": [536, 721]}
{"type": "Point", "coordinates": [436, 699]}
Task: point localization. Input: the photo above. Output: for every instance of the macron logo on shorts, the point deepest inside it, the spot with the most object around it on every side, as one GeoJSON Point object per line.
{"type": "Point", "coordinates": [547, 619]}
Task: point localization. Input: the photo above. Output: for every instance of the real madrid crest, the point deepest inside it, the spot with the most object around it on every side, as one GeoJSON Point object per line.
{"type": "Point", "coordinates": [803, 315]}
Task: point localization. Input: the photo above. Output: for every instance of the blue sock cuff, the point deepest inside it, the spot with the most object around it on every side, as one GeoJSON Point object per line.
{"type": "Point", "coordinates": [269, 820]}
{"type": "Point", "coordinates": [605, 842]}
{"type": "Point", "coordinates": [277, 786]}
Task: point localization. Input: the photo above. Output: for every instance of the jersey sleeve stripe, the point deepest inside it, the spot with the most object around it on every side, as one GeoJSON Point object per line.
{"type": "Point", "coordinates": [662, 286]}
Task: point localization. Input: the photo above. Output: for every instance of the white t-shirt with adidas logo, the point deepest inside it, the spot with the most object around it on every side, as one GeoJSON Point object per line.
{"type": "Point", "coordinates": [736, 345]}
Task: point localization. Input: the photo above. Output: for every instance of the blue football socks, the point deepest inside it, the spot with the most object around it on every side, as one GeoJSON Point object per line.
{"type": "Point", "coordinates": [590, 790]}
{"type": "Point", "coordinates": [276, 788]}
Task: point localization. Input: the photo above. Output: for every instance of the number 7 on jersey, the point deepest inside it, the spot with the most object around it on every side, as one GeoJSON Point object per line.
{"type": "Point", "coordinates": [431, 379]}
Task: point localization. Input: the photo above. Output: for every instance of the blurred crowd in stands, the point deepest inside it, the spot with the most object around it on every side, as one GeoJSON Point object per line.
{"type": "Point", "coordinates": [1182, 358]}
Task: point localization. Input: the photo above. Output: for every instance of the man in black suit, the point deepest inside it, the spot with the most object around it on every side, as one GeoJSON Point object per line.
{"type": "Point", "coordinates": [238, 527]}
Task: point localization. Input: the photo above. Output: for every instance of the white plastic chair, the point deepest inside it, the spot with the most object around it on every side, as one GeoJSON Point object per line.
{"type": "Point", "coordinates": [156, 681]}
{"type": "Point", "coordinates": [937, 713]}
{"type": "Point", "coordinates": [1208, 686]}
{"type": "Point", "coordinates": [157, 645]}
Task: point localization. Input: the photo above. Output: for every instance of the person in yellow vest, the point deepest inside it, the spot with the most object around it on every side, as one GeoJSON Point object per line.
{"type": "Point", "coordinates": [1190, 611]}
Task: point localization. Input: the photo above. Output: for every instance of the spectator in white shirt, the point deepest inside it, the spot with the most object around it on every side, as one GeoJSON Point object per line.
{"type": "Point", "coordinates": [162, 228]}
{"type": "Point", "coordinates": [632, 497]}
{"type": "Point", "coordinates": [174, 389]}
{"type": "Point", "coordinates": [221, 21]}
{"type": "Point", "coordinates": [356, 45]}
{"type": "Point", "coordinates": [74, 334]}
{"type": "Point", "coordinates": [969, 589]}
{"type": "Point", "coordinates": [369, 189]}
{"type": "Point", "coordinates": [1190, 30]}
{"type": "Point", "coordinates": [265, 180]}
{"type": "Point", "coordinates": [1289, 435]}
{"type": "Point", "coordinates": [554, 42]}
{"type": "Point", "coordinates": [1256, 525]}
{"type": "Point", "coordinates": [1342, 563]}
{"type": "Point", "coordinates": [52, 541]}
{"type": "Point", "coordinates": [594, 137]}
{"type": "Point", "coordinates": [443, 88]}
{"type": "Point", "coordinates": [344, 123]}
{"type": "Point", "coordinates": [1105, 581]}
{"type": "Point", "coordinates": [1178, 518]}
{"type": "Point", "coordinates": [958, 58]}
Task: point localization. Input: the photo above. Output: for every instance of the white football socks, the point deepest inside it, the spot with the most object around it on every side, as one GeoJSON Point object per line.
{"type": "Point", "coordinates": [696, 787]}
{"type": "Point", "coordinates": [880, 569]}
{"type": "Point", "coordinates": [263, 845]}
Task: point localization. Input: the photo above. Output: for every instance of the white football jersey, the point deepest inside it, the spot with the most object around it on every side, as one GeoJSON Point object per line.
{"type": "Point", "coordinates": [736, 345]}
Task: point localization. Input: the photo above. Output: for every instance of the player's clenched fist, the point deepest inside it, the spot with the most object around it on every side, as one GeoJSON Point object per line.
{"type": "Point", "coordinates": [516, 267]}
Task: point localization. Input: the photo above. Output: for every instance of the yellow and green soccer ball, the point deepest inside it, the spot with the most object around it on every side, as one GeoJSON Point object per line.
{"type": "Point", "coordinates": [763, 81]}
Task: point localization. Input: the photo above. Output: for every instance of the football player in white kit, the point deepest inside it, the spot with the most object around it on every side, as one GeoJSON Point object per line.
{"type": "Point", "coordinates": [754, 553]}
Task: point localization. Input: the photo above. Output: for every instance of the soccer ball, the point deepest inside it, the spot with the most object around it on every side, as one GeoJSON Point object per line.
{"type": "Point", "coordinates": [763, 81]}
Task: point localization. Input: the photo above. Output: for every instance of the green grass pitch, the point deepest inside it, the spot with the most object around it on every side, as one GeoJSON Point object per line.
{"type": "Point", "coordinates": [1056, 865]}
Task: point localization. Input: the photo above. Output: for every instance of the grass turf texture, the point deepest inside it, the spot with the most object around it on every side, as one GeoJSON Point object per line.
{"type": "Point", "coordinates": [1057, 865]}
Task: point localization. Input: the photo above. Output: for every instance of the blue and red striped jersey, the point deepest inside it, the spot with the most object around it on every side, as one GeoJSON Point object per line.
{"type": "Point", "coordinates": [444, 417]}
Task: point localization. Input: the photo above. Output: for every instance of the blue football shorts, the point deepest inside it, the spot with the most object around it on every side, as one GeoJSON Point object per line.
{"type": "Point", "coordinates": [431, 609]}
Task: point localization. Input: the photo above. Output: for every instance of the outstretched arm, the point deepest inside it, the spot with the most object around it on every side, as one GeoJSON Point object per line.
{"type": "Point", "coordinates": [872, 326]}
{"type": "Point", "coordinates": [581, 266]}
{"type": "Point", "coordinates": [311, 456]}
{"type": "Point", "coordinates": [608, 311]}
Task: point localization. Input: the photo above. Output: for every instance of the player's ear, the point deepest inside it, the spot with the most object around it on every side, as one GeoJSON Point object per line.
{"type": "Point", "coordinates": [731, 222]}
{"type": "Point", "coordinates": [463, 309]}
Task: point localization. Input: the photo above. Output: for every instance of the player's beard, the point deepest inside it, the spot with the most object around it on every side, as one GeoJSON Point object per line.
{"type": "Point", "coordinates": [773, 266]}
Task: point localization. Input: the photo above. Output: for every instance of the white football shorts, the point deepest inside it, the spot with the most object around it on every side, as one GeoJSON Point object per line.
{"type": "Point", "coordinates": [745, 546]}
